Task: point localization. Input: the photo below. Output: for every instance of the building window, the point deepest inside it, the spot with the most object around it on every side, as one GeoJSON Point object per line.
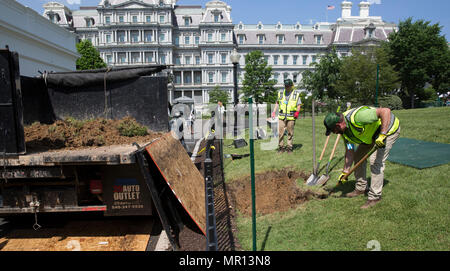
{"type": "Point", "coordinates": [223, 36]}
{"type": "Point", "coordinates": [275, 60]}
{"type": "Point", "coordinates": [187, 60]}
{"type": "Point", "coordinates": [210, 58]}
{"type": "Point", "coordinates": [260, 39]}
{"type": "Point", "coordinates": [294, 60]}
{"type": "Point", "coordinates": [162, 59]}
{"type": "Point", "coordinates": [313, 59]}
{"type": "Point", "coordinates": [148, 57]}
{"type": "Point", "coordinates": [197, 39]}
{"type": "Point", "coordinates": [134, 36]}
{"type": "Point", "coordinates": [121, 19]}
{"type": "Point", "coordinates": [121, 36]}
{"type": "Point", "coordinates": [161, 19]}
{"type": "Point", "coordinates": [197, 77]}
{"type": "Point", "coordinates": [122, 57]}
{"type": "Point", "coordinates": [224, 77]}
{"type": "Point", "coordinates": [108, 59]}
{"type": "Point", "coordinates": [210, 77]}
{"type": "Point", "coordinates": [216, 18]}
{"type": "Point", "coordinates": [135, 57]}
{"type": "Point", "coordinates": [187, 21]}
{"type": "Point", "coordinates": [177, 60]}
{"type": "Point", "coordinates": [177, 77]}
{"type": "Point", "coordinates": [318, 39]}
{"type": "Point", "coordinates": [241, 39]}
{"type": "Point", "coordinates": [299, 39]}
{"type": "Point", "coordinates": [186, 40]}
{"type": "Point", "coordinates": [285, 60]}
{"type": "Point", "coordinates": [148, 36]}
{"type": "Point", "coordinates": [210, 37]}
{"type": "Point", "coordinates": [162, 37]}
{"type": "Point", "coordinates": [224, 58]}
{"type": "Point", "coordinates": [134, 18]}
{"type": "Point", "coordinates": [305, 59]}
{"type": "Point", "coordinates": [280, 39]}
{"type": "Point", "coordinates": [285, 76]}
{"type": "Point", "coordinates": [107, 20]}
{"type": "Point", "coordinates": [197, 60]}
{"type": "Point", "coordinates": [275, 76]}
{"type": "Point", "coordinates": [187, 78]}
{"type": "Point", "coordinates": [148, 18]}
{"type": "Point", "coordinates": [108, 38]}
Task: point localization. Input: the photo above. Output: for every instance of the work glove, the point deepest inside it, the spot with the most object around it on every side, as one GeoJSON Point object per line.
{"type": "Point", "coordinates": [341, 178]}
{"type": "Point", "coordinates": [381, 140]}
{"type": "Point", "coordinates": [296, 114]}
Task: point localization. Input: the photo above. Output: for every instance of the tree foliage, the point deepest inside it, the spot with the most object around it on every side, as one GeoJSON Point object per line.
{"type": "Point", "coordinates": [358, 76]}
{"type": "Point", "coordinates": [421, 55]}
{"type": "Point", "coordinates": [323, 77]}
{"type": "Point", "coordinates": [218, 94]}
{"type": "Point", "coordinates": [257, 82]}
{"type": "Point", "coordinates": [90, 57]}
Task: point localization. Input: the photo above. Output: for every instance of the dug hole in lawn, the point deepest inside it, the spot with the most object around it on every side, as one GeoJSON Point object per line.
{"type": "Point", "coordinates": [276, 191]}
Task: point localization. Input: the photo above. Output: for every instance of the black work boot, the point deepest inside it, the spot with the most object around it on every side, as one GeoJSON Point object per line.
{"type": "Point", "coordinates": [281, 150]}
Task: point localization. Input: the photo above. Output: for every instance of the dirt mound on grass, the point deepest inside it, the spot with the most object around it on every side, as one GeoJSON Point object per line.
{"type": "Point", "coordinates": [75, 134]}
{"type": "Point", "coordinates": [276, 191]}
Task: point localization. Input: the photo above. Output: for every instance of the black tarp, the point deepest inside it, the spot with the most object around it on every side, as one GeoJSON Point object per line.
{"type": "Point", "coordinates": [86, 95]}
{"type": "Point", "coordinates": [89, 78]}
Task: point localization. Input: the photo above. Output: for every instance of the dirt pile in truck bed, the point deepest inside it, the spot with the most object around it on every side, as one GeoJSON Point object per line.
{"type": "Point", "coordinates": [75, 134]}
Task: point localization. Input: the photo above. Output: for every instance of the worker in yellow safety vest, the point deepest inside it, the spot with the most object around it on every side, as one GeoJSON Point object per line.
{"type": "Point", "coordinates": [365, 126]}
{"type": "Point", "coordinates": [289, 104]}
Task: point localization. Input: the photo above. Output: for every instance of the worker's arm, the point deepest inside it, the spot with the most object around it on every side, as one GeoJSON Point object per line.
{"type": "Point", "coordinates": [385, 115]}
{"type": "Point", "coordinates": [349, 157]}
{"type": "Point", "coordinates": [275, 110]}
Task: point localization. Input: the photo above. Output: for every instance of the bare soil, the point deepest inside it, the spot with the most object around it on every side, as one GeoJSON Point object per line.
{"type": "Point", "coordinates": [275, 191]}
{"type": "Point", "coordinates": [74, 134]}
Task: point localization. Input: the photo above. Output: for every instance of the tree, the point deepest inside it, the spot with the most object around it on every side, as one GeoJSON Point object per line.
{"type": "Point", "coordinates": [324, 76]}
{"type": "Point", "coordinates": [358, 74]}
{"type": "Point", "coordinates": [218, 94]}
{"type": "Point", "coordinates": [257, 82]}
{"type": "Point", "coordinates": [90, 57]}
{"type": "Point", "coordinates": [420, 54]}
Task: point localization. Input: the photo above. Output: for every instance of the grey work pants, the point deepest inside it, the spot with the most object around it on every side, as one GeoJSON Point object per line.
{"type": "Point", "coordinates": [377, 160]}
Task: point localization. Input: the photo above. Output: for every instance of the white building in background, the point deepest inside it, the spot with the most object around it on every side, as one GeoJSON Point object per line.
{"type": "Point", "coordinates": [42, 45]}
{"type": "Point", "coordinates": [198, 40]}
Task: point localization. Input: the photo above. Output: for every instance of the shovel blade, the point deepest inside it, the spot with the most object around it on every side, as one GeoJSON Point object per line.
{"type": "Point", "coordinates": [311, 180]}
{"type": "Point", "coordinates": [323, 179]}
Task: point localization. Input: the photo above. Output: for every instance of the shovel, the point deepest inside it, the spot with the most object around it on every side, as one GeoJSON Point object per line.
{"type": "Point", "coordinates": [356, 166]}
{"type": "Point", "coordinates": [313, 178]}
{"type": "Point", "coordinates": [324, 178]}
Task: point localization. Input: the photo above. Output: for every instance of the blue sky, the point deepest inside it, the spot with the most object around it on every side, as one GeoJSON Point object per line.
{"type": "Point", "coordinates": [307, 11]}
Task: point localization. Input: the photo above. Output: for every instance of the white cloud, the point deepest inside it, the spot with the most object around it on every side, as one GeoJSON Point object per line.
{"type": "Point", "coordinates": [375, 2]}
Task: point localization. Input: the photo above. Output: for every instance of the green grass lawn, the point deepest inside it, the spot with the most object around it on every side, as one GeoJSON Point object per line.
{"type": "Point", "coordinates": [413, 214]}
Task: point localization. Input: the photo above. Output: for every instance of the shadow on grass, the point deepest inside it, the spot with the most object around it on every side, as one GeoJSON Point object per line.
{"type": "Point", "coordinates": [266, 236]}
{"type": "Point", "coordinates": [350, 186]}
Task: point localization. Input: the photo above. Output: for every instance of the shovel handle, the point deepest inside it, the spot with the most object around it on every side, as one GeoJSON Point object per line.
{"type": "Point", "coordinates": [361, 161]}
{"type": "Point", "coordinates": [324, 147]}
{"type": "Point", "coordinates": [334, 147]}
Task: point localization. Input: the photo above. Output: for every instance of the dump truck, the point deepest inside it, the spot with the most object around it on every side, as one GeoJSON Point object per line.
{"type": "Point", "coordinates": [118, 180]}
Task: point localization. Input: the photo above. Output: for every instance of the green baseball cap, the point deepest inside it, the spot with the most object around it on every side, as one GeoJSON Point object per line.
{"type": "Point", "coordinates": [288, 82]}
{"type": "Point", "coordinates": [330, 121]}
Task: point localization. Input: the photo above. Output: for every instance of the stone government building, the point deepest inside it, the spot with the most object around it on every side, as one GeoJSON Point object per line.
{"type": "Point", "coordinates": [198, 41]}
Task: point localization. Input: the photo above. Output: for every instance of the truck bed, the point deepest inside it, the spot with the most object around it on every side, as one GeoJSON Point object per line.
{"type": "Point", "coordinates": [109, 155]}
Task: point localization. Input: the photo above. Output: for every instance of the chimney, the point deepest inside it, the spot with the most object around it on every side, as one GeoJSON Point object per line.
{"type": "Point", "coordinates": [346, 9]}
{"type": "Point", "coordinates": [364, 9]}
